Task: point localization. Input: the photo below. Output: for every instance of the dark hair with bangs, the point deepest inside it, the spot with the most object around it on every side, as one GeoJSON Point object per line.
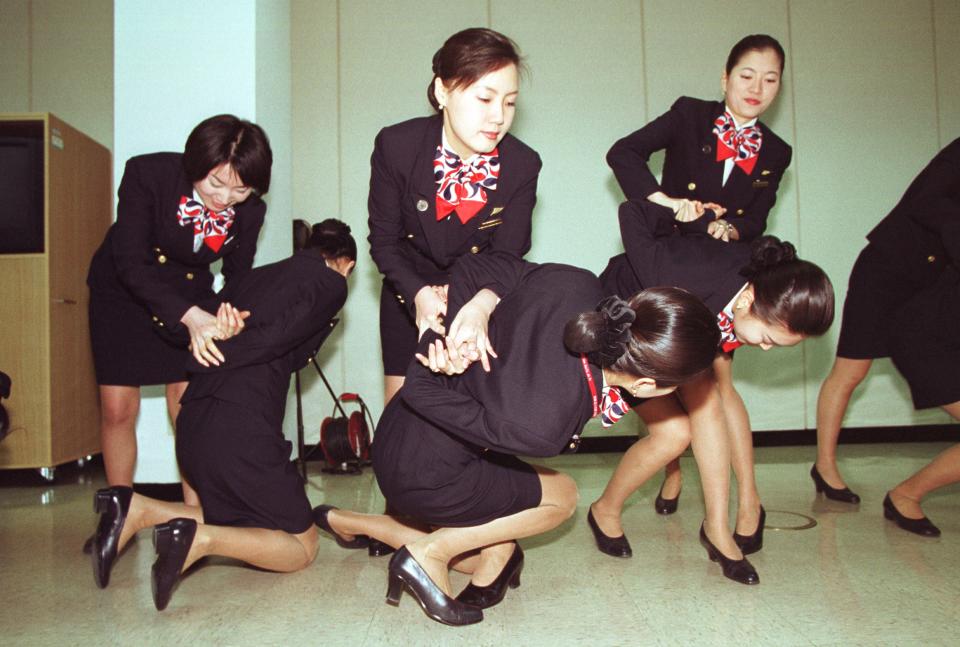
{"type": "Point", "coordinates": [672, 338]}
{"type": "Point", "coordinates": [226, 139]}
{"type": "Point", "coordinates": [758, 42]}
{"type": "Point", "coordinates": [468, 55]}
{"type": "Point", "coordinates": [788, 290]}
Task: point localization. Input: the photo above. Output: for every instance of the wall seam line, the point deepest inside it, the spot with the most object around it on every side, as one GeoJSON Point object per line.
{"type": "Point", "coordinates": [936, 73]}
{"type": "Point", "coordinates": [643, 66]}
{"type": "Point", "coordinates": [30, 56]}
{"type": "Point", "coordinates": [339, 63]}
{"type": "Point", "coordinates": [804, 355]}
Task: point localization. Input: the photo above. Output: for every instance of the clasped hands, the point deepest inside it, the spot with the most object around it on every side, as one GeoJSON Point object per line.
{"type": "Point", "coordinates": [686, 210]}
{"type": "Point", "coordinates": [205, 328]}
{"type": "Point", "coordinates": [466, 341]}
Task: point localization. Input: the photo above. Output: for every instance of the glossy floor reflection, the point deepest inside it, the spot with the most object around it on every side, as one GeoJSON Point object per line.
{"type": "Point", "coordinates": [854, 579]}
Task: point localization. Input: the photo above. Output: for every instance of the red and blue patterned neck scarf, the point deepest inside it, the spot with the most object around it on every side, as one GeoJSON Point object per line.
{"type": "Point", "coordinates": [728, 338]}
{"type": "Point", "coordinates": [462, 186]}
{"type": "Point", "coordinates": [611, 406]}
{"type": "Point", "coordinates": [742, 145]}
{"type": "Point", "coordinates": [209, 227]}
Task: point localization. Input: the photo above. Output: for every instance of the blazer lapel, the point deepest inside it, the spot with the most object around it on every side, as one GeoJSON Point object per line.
{"type": "Point", "coordinates": [424, 186]}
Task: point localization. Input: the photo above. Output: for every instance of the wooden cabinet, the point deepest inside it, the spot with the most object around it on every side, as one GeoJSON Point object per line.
{"type": "Point", "coordinates": [44, 331]}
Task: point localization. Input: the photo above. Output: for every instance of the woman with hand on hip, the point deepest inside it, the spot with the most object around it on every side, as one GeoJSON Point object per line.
{"type": "Point", "coordinates": [902, 303]}
{"type": "Point", "coordinates": [445, 451]}
{"type": "Point", "coordinates": [448, 185]}
{"type": "Point", "coordinates": [722, 166]}
{"type": "Point", "coordinates": [176, 215]}
{"type": "Point", "coordinates": [761, 295]}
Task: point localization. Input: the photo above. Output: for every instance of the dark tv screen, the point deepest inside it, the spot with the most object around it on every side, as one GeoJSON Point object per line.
{"type": "Point", "coordinates": [21, 188]}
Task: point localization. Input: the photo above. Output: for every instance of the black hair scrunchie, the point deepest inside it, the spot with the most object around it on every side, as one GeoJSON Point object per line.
{"type": "Point", "coordinates": [618, 316]}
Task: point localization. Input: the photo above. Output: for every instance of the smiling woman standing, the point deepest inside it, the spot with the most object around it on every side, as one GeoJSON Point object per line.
{"type": "Point", "coordinates": [443, 186]}
{"type": "Point", "coordinates": [176, 214]}
{"type": "Point", "coordinates": [721, 171]}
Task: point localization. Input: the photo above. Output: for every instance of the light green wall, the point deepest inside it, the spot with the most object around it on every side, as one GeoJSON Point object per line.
{"type": "Point", "coordinates": [871, 91]}
{"type": "Point", "coordinates": [57, 56]}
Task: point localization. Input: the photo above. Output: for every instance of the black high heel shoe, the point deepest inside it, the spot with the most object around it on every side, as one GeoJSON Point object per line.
{"type": "Point", "coordinates": [613, 546]}
{"type": "Point", "coordinates": [845, 495]}
{"type": "Point", "coordinates": [379, 549]}
{"type": "Point", "coordinates": [750, 544]}
{"type": "Point", "coordinates": [112, 504]}
{"type": "Point", "coordinates": [405, 571]}
{"type": "Point", "coordinates": [492, 594]}
{"type": "Point", "coordinates": [738, 570]}
{"type": "Point", "coordinates": [172, 540]}
{"type": "Point", "coordinates": [320, 519]}
{"type": "Point", "coordinates": [665, 506]}
{"type": "Point", "coordinates": [922, 526]}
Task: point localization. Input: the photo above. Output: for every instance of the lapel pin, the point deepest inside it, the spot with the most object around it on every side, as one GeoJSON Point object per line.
{"type": "Point", "coordinates": [422, 205]}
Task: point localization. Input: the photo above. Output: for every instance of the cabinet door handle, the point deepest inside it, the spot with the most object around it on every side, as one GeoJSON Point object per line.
{"type": "Point", "coordinates": [69, 302]}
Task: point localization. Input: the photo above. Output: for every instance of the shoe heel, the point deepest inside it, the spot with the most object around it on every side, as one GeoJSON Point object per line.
{"type": "Point", "coordinates": [515, 581]}
{"type": "Point", "coordinates": [888, 514]}
{"type": "Point", "coordinates": [101, 502]}
{"type": "Point", "coordinates": [394, 590]}
{"type": "Point", "coordinates": [161, 538]}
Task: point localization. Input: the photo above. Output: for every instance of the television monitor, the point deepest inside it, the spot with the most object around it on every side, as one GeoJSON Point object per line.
{"type": "Point", "coordinates": [21, 185]}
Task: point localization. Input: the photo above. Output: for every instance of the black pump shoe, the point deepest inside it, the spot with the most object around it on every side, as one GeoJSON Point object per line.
{"type": "Point", "coordinates": [921, 526]}
{"type": "Point", "coordinates": [738, 570]}
{"type": "Point", "coordinates": [112, 503]}
{"type": "Point", "coordinates": [320, 519]}
{"type": "Point", "coordinates": [492, 594]}
{"type": "Point", "coordinates": [750, 544]}
{"type": "Point", "coordinates": [613, 546]}
{"type": "Point", "coordinates": [405, 571]}
{"type": "Point", "coordinates": [172, 541]}
{"type": "Point", "coordinates": [845, 495]}
{"type": "Point", "coordinates": [665, 506]}
{"type": "Point", "coordinates": [379, 549]}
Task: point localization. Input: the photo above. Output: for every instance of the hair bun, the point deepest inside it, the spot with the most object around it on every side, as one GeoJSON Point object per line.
{"type": "Point", "coordinates": [618, 316]}
{"type": "Point", "coordinates": [767, 252]}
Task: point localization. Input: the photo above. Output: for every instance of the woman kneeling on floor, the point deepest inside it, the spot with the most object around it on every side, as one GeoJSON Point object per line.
{"type": "Point", "coordinates": [229, 439]}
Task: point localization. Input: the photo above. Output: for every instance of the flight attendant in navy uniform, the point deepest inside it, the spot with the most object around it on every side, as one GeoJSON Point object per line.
{"type": "Point", "coordinates": [443, 186]}
{"type": "Point", "coordinates": [761, 295]}
{"type": "Point", "coordinates": [903, 302]}
{"type": "Point", "coordinates": [176, 214]}
{"type": "Point", "coordinates": [721, 172]}
{"type": "Point", "coordinates": [230, 442]}
{"type": "Point", "coordinates": [445, 450]}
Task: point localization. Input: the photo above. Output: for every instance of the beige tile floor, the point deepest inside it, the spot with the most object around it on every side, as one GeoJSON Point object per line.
{"type": "Point", "coordinates": [854, 579]}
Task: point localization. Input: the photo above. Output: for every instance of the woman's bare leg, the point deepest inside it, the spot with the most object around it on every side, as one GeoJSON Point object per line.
{"type": "Point", "coordinates": [119, 406]}
{"type": "Point", "coordinates": [669, 435]}
{"type": "Point", "coordinates": [436, 550]}
{"type": "Point", "coordinates": [672, 479]}
{"type": "Point", "coordinates": [711, 448]}
{"type": "Point", "coordinates": [942, 470]}
{"type": "Point", "coordinates": [273, 550]}
{"type": "Point", "coordinates": [832, 402]}
{"type": "Point", "coordinates": [145, 512]}
{"type": "Point", "coordinates": [174, 392]}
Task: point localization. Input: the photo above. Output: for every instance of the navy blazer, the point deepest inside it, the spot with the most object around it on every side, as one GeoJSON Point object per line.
{"type": "Point", "coordinates": [690, 169]}
{"type": "Point", "coordinates": [922, 233]}
{"type": "Point", "coordinates": [292, 303]}
{"type": "Point", "coordinates": [149, 257]}
{"type": "Point", "coordinates": [536, 396]}
{"type": "Point", "coordinates": [659, 256]}
{"type": "Point", "coordinates": [411, 249]}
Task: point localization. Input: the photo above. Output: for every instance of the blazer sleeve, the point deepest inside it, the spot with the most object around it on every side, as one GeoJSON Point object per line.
{"type": "Point", "coordinates": [240, 260]}
{"type": "Point", "coordinates": [513, 236]}
{"type": "Point", "coordinates": [386, 225]}
{"type": "Point", "coordinates": [308, 308]}
{"type": "Point", "coordinates": [935, 204]}
{"type": "Point", "coordinates": [460, 415]}
{"type": "Point", "coordinates": [500, 272]}
{"type": "Point", "coordinates": [753, 222]}
{"type": "Point", "coordinates": [132, 243]}
{"type": "Point", "coordinates": [629, 156]}
{"type": "Point", "coordinates": [641, 224]}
